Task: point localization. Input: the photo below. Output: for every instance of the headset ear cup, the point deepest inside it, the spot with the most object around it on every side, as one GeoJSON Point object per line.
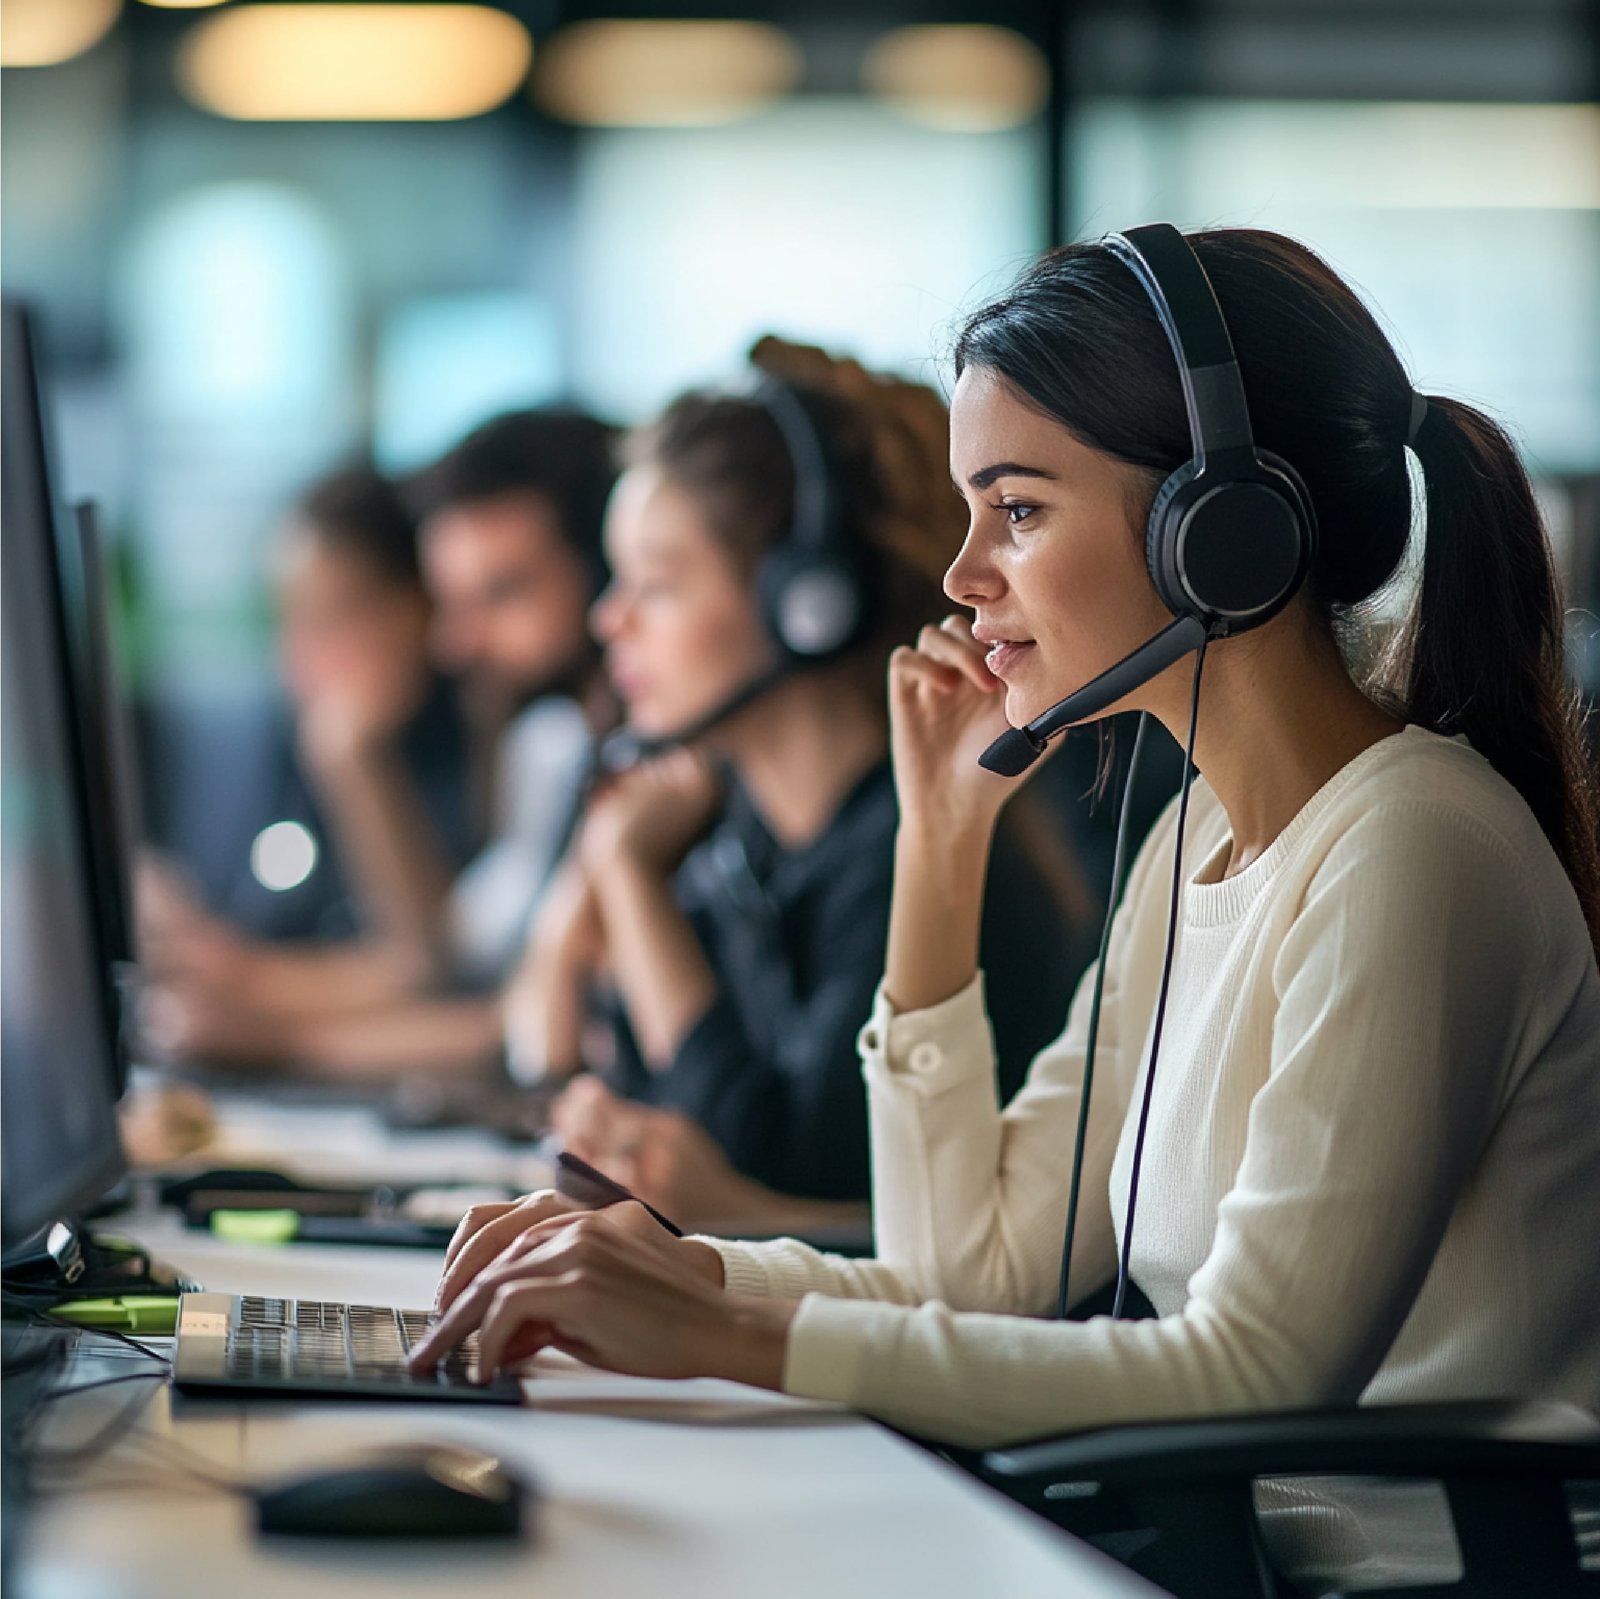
{"type": "Point", "coordinates": [1298, 494]}
{"type": "Point", "coordinates": [1161, 542]}
{"type": "Point", "coordinates": [812, 602]}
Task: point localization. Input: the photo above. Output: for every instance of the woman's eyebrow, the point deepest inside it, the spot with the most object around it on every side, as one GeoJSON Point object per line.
{"type": "Point", "coordinates": [992, 474]}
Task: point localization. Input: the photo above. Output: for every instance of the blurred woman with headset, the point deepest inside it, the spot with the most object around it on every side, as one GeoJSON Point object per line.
{"type": "Point", "coordinates": [1361, 950]}
{"type": "Point", "coordinates": [727, 901]}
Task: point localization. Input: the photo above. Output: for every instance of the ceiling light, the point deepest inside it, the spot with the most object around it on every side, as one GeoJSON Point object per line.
{"type": "Point", "coordinates": [184, 5]}
{"type": "Point", "coordinates": [968, 78]}
{"type": "Point", "coordinates": [41, 33]}
{"type": "Point", "coordinates": [664, 74]}
{"type": "Point", "coordinates": [371, 63]}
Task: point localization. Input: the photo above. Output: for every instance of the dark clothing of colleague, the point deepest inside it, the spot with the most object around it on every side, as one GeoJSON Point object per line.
{"type": "Point", "coordinates": [797, 939]}
{"type": "Point", "coordinates": [224, 779]}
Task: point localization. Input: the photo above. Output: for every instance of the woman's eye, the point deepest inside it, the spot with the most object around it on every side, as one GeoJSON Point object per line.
{"type": "Point", "coordinates": [1017, 512]}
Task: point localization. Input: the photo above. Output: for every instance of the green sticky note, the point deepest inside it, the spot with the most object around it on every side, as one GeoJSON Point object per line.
{"type": "Point", "coordinates": [255, 1226]}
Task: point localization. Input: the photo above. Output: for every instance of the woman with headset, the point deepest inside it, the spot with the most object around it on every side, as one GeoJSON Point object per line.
{"type": "Point", "coordinates": [712, 943]}
{"type": "Point", "coordinates": [1361, 949]}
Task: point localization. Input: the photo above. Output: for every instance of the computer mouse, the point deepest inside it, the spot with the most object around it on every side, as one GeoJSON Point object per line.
{"type": "Point", "coordinates": [420, 1491]}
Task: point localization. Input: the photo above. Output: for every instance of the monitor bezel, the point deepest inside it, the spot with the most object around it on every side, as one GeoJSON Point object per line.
{"type": "Point", "coordinates": [27, 463]}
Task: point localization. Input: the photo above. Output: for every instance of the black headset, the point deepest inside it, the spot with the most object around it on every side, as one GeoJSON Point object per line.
{"type": "Point", "coordinates": [1231, 533]}
{"type": "Point", "coordinates": [815, 586]}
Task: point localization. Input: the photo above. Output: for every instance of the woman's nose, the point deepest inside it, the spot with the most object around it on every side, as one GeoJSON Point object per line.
{"type": "Point", "coordinates": [972, 579]}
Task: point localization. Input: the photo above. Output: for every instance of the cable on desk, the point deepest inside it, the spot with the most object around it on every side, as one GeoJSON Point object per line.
{"type": "Point", "coordinates": [101, 1382]}
{"type": "Point", "coordinates": [40, 1317]}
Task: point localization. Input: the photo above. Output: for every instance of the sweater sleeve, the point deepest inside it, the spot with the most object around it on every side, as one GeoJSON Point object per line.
{"type": "Point", "coordinates": [784, 1268]}
{"type": "Point", "coordinates": [1403, 987]}
{"type": "Point", "coordinates": [968, 1199]}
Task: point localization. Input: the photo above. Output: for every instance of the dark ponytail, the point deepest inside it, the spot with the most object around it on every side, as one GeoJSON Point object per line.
{"type": "Point", "coordinates": [1482, 653]}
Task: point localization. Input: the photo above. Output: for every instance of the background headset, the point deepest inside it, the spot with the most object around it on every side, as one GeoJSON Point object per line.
{"type": "Point", "coordinates": [1229, 540]}
{"type": "Point", "coordinates": [1231, 533]}
{"type": "Point", "coordinates": [815, 587]}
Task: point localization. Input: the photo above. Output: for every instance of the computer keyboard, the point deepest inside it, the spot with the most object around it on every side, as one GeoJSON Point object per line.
{"type": "Point", "coordinates": [316, 1347]}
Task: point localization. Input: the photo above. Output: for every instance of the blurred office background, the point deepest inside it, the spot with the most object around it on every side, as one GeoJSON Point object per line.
{"type": "Point", "coordinates": [266, 236]}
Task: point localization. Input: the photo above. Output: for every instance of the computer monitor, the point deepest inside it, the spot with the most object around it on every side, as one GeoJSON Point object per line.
{"type": "Point", "coordinates": [58, 1035]}
{"type": "Point", "coordinates": [75, 565]}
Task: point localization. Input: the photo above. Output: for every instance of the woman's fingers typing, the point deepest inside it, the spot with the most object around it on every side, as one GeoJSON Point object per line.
{"type": "Point", "coordinates": [611, 1288]}
{"type": "Point", "coordinates": [484, 1233]}
{"type": "Point", "coordinates": [540, 1256]}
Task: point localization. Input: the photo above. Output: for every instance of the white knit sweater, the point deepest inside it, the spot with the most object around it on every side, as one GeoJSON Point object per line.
{"type": "Point", "coordinates": [1373, 1163]}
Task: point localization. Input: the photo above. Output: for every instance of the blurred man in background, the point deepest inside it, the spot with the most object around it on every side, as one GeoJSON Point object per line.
{"type": "Point", "coordinates": [264, 811]}
{"type": "Point", "coordinates": [510, 550]}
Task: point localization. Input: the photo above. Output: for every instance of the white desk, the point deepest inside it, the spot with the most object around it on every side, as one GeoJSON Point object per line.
{"type": "Point", "coordinates": [655, 1489]}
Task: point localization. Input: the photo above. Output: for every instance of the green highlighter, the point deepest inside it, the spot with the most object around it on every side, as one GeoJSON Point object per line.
{"type": "Point", "coordinates": [290, 1227]}
{"type": "Point", "coordinates": [154, 1314]}
{"type": "Point", "coordinates": [255, 1226]}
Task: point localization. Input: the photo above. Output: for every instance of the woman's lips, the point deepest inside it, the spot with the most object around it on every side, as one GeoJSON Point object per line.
{"type": "Point", "coordinates": [1004, 655]}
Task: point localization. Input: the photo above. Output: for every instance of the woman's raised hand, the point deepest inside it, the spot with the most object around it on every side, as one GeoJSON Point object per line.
{"type": "Point", "coordinates": [652, 813]}
{"type": "Point", "coordinates": [945, 709]}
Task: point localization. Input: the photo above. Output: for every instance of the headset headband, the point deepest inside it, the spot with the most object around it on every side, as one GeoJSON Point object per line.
{"type": "Point", "coordinates": [815, 512]}
{"type": "Point", "coordinates": [1186, 305]}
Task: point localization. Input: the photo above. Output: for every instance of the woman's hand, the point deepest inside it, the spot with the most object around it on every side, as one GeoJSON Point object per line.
{"type": "Point", "coordinates": [651, 814]}
{"type": "Point", "coordinates": [945, 709]}
{"type": "Point", "coordinates": [670, 1161]}
{"type": "Point", "coordinates": [486, 1231]}
{"type": "Point", "coordinates": [182, 1019]}
{"type": "Point", "coordinates": [675, 1164]}
{"type": "Point", "coordinates": [663, 1156]}
{"type": "Point", "coordinates": [178, 936]}
{"type": "Point", "coordinates": [346, 723]}
{"type": "Point", "coordinates": [595, 1124]}
{"type": "Point", "coordinates": [600, 1287]}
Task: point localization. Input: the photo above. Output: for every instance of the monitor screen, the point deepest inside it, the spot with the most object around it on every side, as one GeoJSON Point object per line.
{"type": "Point", "coordinates": [104, 724]}
{"type": "Point", "coordinates": [57, 1053]}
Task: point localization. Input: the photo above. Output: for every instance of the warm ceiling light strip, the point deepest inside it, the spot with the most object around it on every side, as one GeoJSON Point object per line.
{"type": "Point", "coordinates": [664, 74]}
{"type": "Point", "coordinates": [339, 63]}
{"type": "Point", "coordinates": [967, 78]}
{"type": "Point", "coordinates": [44, 33]}
{"type": "Point", "coordinates": [184, 5]}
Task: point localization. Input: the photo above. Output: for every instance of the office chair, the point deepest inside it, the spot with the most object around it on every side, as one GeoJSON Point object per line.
{"type": "Point", "coordinates": [1173, 1499]}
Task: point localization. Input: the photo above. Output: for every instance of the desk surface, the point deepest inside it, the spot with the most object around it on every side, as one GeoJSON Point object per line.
{"type": "Point", "coordinates": [650, 1488]}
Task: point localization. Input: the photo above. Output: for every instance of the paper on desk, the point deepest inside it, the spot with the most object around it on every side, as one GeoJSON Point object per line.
{"type": "Point", "coordinates": [554, 1381]}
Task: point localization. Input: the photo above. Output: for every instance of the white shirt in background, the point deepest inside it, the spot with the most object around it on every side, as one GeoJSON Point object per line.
{"type": "Point", "coordinates": [543, 758]}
